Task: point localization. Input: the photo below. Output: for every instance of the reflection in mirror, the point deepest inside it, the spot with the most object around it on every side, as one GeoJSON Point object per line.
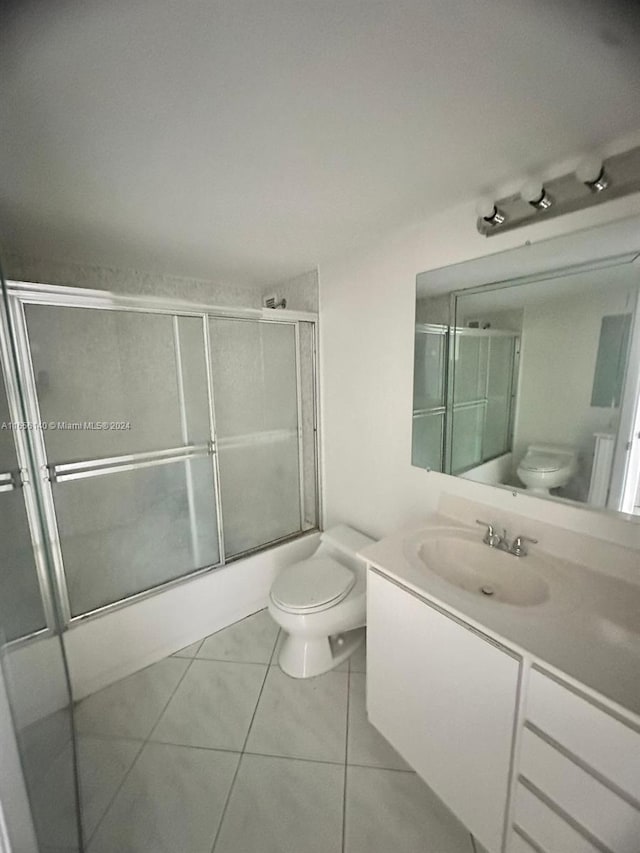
{"type": "Point", "coordinates": [528, 383]}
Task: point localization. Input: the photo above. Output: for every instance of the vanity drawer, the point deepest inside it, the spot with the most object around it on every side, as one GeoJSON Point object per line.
{"type": "Point", "coordinates": [594, 806]}
{"type": "Point", "coordinates": [545, 827]}
{"type": "Point", "coordinates": [604, 743]}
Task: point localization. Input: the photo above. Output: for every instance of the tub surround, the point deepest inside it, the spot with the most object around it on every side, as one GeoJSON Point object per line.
{"type": "Point", "coordinates": [588, 630]}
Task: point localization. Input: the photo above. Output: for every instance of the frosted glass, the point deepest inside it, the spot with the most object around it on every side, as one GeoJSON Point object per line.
{"type": "Point", "coordinates": [500, 366]}
{"type": "Point", "coordinates": [260, 493]}
{"type": "Point", "coordinates": [21, 610]}
{"type": "Point", "coordinates": [189, 343]}
{"type": "Point", "coordinates": [467, 437]}
{"type": "Point", "coordinates": [496, 428]}
{"type": "Point", "coordinates": [256, 401]}
{"type": "Point", "coordinates": [499, 379]}
{"type": "Point", "coordinates": [254, 376]}
{"type": "Point", "coordinates": [428, 374]}
{"type": "Point", "coordinates": [308, 425]}
{"type": "Point", "coordinates": [470, 368]}
{"type": "Point", "coordinates": [611, 361]}
{"type": "Point", "coordinates": [128, 531]}
{"type": "Point", "coordinates": [427, 441]}
{"type": "Point", "coordinates": [108, 366]}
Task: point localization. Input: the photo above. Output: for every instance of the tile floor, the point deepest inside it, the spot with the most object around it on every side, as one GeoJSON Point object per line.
{"type": "Point", "coordinates": [216, 750]}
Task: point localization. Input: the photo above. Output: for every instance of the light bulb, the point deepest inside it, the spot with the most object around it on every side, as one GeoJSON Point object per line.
{"type": "Point", "coordinates": [534, 193]}
{"type": "Point", "coordinates": [487, 210]}
{"type": "Point", "coordinates": [591, 173]}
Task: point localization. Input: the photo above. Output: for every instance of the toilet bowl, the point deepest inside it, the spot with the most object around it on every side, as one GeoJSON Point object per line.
{"type": "Point", "coordinates": [320, 603]}
{"type": "Point", "coordinates": [547, 466]}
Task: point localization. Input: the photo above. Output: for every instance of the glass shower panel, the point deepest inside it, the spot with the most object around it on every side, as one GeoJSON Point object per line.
{"type": "Point", "coordinates": [427, 441]}
{"type": "Point", "coordinates": [308, 424]}
{"type": "Point", "coordinates": [498, 412]}
{"type": "Point", "coordinates": [126, 531]}
{"type": "Point", "coordinates": [22, 612]}
{"type": "Point", "coordinates": [108, 366]}
{"type": "Point", "coordinates": [470, 367]}
{"type": "Point", "coordinates": [467, 437]}
{"type": "Point", "coordinates": [429, 370]}
{"type": "Point", "coordinates": [254, 372]}
{"type": "Point", "coordinates": [192, 379]}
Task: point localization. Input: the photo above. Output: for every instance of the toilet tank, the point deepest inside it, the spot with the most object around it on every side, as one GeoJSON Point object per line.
{"type": "Point", "coordinates": [343, 543]}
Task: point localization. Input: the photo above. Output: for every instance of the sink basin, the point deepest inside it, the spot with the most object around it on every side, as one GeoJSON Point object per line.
{"type": "Point", "coordinates": [462, 559]}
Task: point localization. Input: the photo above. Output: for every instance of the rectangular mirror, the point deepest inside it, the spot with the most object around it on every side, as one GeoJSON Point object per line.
{"type": "Point", "coordinates": [527, 374]}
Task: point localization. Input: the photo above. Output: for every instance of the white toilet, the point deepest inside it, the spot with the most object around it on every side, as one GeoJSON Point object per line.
{"type": "Point", "coordinates": [547, 466]}
{"type": "Point", "coordinates": [321, 604]}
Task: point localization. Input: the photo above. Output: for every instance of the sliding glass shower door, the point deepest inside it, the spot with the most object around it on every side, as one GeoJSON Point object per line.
{"type": "Point", "coordinates": [123, 403]}
{"type": "Point", "coordinates": [256, 399]}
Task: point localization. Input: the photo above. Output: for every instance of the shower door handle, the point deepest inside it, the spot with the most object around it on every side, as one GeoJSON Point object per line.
{"type": "Point", "coordinates": [10, 481]}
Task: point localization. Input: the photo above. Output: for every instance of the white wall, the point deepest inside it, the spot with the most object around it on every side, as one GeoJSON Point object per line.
{"type": "Point", "coordinates": [367, 303]}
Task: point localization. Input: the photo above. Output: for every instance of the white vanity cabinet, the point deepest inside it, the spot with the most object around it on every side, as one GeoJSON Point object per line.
{"type": "Point", "coordinates": [445, 697]}
{"type": "Point", "coordinates": [577, 788]}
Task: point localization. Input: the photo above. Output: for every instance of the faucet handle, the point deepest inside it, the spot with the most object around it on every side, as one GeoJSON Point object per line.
{"type": "Point", "coordinates": [490, 535]}
{"type": "Point", "coordinates": [518, 548]}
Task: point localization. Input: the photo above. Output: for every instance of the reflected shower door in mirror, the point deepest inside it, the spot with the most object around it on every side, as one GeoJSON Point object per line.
{"type": "Point", "coordinates": [532, 383]}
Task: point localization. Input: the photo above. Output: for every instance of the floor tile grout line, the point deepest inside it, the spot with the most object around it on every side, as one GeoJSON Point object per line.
{"type": "Point", "coordinates": [138, 753]}
{"type": "Point", "coordinates": [230, 751]}
{"type": "Point", "coordinates": [168, 702]}
{"type": "Point", "coordinates": [242, 752]}
{"type": "Point", "coordinates": [107, 809]}
{"type": "Point", "coordinates": [143, 742]}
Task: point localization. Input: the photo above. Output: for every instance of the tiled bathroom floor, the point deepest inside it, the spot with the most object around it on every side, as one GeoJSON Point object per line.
{"type": "Point", "coordinates": [215, 749]}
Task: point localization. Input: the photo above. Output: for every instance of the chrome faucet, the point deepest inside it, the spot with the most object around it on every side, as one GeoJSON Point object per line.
{"type": "Point", "coordinates": [494, 540]}
{"type": "Point", "coordinates": [518, 548]}
{"type": "Point", "coordinates": [491, 538]}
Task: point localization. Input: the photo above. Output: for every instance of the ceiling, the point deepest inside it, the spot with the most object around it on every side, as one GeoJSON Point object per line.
{"type": "Point", "coordinates": [249, 140]}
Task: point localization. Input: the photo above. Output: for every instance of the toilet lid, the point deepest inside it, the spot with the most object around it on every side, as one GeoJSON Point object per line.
{"type": "Point", "coordinates": [313, 584]}
{"type": "Point", "coordinates": [544, 462]}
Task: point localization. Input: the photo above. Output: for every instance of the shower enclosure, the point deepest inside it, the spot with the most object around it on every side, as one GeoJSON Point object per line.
{"type": "Point", "coordinates": [143, 442]}
{"type": "Point", "coordinates": [167, 440]}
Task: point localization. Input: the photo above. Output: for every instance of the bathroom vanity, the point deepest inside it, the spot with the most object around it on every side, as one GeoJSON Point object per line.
{"type": "Point", "coordinates": [520, 708]}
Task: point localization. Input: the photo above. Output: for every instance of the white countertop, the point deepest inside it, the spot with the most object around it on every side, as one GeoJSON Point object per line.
{"type": "Point", "coordinates": [589, 629]}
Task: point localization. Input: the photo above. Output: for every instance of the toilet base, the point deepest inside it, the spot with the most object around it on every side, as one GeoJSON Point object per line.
{"type": "Point", "coordinates": [304, 657]}
{"type": "Point", "coordinates": [539, 490]}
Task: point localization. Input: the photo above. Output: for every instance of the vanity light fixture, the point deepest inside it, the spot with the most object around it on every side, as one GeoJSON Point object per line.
{"type": "Point", "coordinates": [591, 173]}
{"type": "Point", "coordinates": [578, 189]}
{"type": "Point", "coordinates": [534, 193]}
{"type": "Point", "coordinates": [487, 210]}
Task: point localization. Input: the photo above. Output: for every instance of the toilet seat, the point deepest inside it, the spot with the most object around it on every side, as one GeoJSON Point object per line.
{"type": "Point", "coordinates": [312, 585]}
{"type": "Point", "coordinates": [543, 462]}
